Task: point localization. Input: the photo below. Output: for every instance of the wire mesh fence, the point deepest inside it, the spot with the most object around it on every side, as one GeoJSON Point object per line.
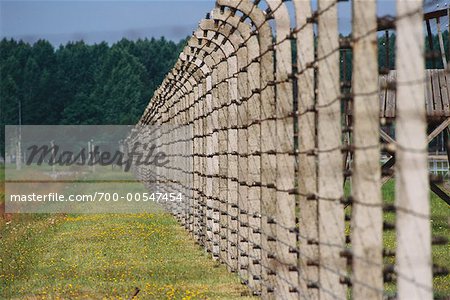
{"type": "Point", "coordinates": [286, 187]}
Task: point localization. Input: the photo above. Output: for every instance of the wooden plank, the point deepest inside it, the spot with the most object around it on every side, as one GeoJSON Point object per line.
{"type": "Point", "coordinates": [330, 170]}
{"type": "Point", "coordinates": [441, 43]}
{"type": "Point", "coordinates": [382, 95]}
{"type": "Point", "coordinates": [440, 193]}
{"type": "Point", "coordinates": [435, 14]}
{"type": "Point", "coordinates": [437, 102]}
{"type": "Point", "coordinates": [390, 95]}
{"type": "Point", "coordinates": [428, 93]}
{"type": "Point", "coordinates": [430, 42]}
{"type": "Point", "coordinates": [386, 137]}
{"type": "Point", "coordinates": [447, 102]}
{"type": "Point", "coordinates": [444, 92]}
{"type": "Point", "coordinates": [367, 219]}
{"type": "Point", "coordinates": [307, 174]}
{"type": "Point", "coordinates": [438, 130]}
{"type": "Point", "coordinates": [437, 91]}
{"type": "Point", "coordinates": [413, 253]}
{"type": "Point", "coordinates": [430, 137]}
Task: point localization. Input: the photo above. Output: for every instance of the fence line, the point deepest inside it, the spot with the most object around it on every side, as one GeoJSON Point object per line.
{"type": "Point", "coordinates": [267, 194]}
{"type": "Point", "coordinates": [367, 219]}
{"type": "Point", "coordinates": [413, 255]}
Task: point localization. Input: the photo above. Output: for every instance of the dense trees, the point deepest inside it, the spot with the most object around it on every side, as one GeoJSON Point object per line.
{"type": "Point", "coordinates": [79, 83]}
{"type": "Point", "coordinates": [99, 84]}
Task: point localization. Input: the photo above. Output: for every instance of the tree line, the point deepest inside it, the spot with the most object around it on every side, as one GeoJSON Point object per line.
{"type": "Point", "coordinates": [77, 83]}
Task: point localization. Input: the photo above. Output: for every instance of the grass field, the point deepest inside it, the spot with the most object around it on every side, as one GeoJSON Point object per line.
{"type": "Point", "coordinates": [105, 256]}
{"type": "Point", "coordinates": [440, 218]}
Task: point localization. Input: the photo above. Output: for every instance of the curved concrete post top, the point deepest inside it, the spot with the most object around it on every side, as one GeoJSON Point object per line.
{"type": "Point", "coordinates": [256, 16]}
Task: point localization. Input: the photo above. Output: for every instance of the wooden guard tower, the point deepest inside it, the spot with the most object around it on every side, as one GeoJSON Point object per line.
{"type": "Point", "coordinates": [437, 94]}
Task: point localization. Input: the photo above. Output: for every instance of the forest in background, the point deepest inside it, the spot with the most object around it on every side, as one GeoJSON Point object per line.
{"type": "Point", "coordinates": [98, 84]}
{"type": "Point", "coordinates": [78, 83]}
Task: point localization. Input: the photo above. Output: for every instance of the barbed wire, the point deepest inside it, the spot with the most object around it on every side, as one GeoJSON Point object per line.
{"type": "Point", "coordinates": [245, 129]}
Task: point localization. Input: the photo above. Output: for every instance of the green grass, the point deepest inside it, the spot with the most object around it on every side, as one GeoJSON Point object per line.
{"type": "Point", "coordinates": [105, 256]}
{"type": "Point", "coordinates": [440, 216]}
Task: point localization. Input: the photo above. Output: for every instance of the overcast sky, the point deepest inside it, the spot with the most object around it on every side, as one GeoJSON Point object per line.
{"type": "Point", "coordinates": [96, 21]}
